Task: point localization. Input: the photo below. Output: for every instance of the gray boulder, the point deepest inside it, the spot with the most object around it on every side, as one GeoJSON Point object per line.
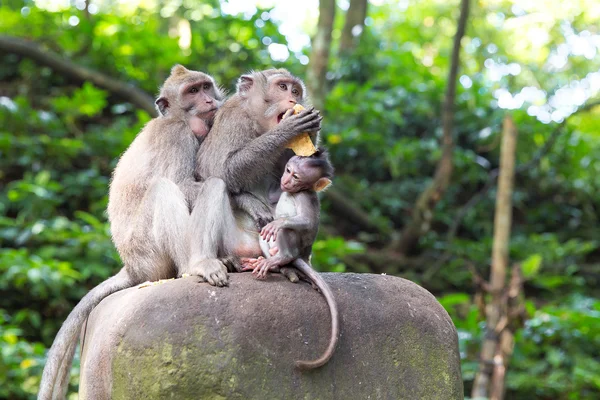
{"type": "Point", "coordinates": [188, 340]}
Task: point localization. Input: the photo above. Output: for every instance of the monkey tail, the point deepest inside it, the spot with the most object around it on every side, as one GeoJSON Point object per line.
{"type": "Point", "coordinates": [335, 320]}
{"type": "Point", "coordinates": [55, 378]}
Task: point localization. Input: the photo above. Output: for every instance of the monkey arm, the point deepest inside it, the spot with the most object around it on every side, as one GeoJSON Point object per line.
{"type": "Point", "coordinates": [250, 162]}
{"type": "Point", "coordinates": [247, 165]}
{"type": "Point", "coordinates": [297, 223]}
{"type": "Point", "coordinates": [253, 206]}
{"type": "Point", "coordinates": [305, 222]}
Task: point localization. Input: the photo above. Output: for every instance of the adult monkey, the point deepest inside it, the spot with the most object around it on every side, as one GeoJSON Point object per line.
{"type": "Point", "coordinates": [151, 195]}
{"type": "Point", "coordinates": [244, 156]}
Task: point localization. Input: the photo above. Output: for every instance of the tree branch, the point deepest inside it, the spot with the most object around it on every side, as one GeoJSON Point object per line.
{"type": "Point", "coordinates": [319, 56]}
{"type": "Point", "coordinates": [34, 51]}
{"type": "Point", "coordinates": [345, 208]}
{"type": "Point", "coordinates": [422, 214]}
{"type": "Point", "coordinates": [355, 20]}
{"type": "Point", "coordinates": [477, 197]}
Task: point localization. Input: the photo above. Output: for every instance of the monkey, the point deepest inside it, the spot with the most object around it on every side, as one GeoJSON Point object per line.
{"type": "Point", "coordinates": [244, 153]}
{"type": "Point", "coordinates": [152, 198]}
{"type": "Point", "coordinates": [289, 238]}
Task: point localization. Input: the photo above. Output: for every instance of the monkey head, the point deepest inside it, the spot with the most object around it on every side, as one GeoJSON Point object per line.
{"type": "Point", "coordinates": [191, 96]}
{"type": "Point", "coordinates": [307, 173]}
{"type": "Point", "coordinates": [270, 94]}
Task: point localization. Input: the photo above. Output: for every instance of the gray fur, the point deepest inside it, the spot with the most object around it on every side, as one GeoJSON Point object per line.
{"type": "Point", "coordinates": [243, 150]}
{"type": "Point", "coordinates": [294, 231]}
{"type": "Point", "coordinates": [150, 198]}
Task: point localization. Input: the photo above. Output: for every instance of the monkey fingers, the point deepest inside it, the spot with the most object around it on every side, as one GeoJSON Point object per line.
{"type": "Point", "coordinates": [270, 230]}
{"type": "Point", "coordinates": [213, 271]}
{"type": "Point", "coordinates": [264, 266]}
{"type": "Point", "coordinates": [250, 263]}
{"type": "Point", "coordinates": [309, 121]}
{"type": "Point", "coordinates": [232, 263]}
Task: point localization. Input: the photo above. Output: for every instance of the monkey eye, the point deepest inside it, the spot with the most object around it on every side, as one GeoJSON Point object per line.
{"type": "Point", "coordinates": [295, 176]}
{"type": "Point", "coordinates": [295, 92]}
{"type": "Point", "coordinates": [282, 86]}
{"type": "Point", "coordinates": [194, 90]}
{"type": "Point", "coordinates": [206, 86]}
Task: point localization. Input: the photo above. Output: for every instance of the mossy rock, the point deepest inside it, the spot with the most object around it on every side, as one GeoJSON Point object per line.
{"type": "Point", "coordinates": [188, 340]}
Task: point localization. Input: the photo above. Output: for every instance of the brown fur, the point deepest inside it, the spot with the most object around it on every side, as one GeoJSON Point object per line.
{"type": "Point", "coordinates": [247, 139]}
{"type": "Point", "coordinates": [293, 232]}
{"type": "Point", "coordinates": [150, 198]}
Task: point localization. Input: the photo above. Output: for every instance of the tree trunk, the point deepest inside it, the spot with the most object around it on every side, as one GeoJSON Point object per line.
{"type": "Point", "coordinates": [319, 56]}
{"type": "Point", "coordinates": [493, 363]}
{"type": "Point", "coordinates": [422, 213]}
{"type": "Point", "coordinates": [32, 50]}
{"type": "Point", "coordinates": [353, 26]}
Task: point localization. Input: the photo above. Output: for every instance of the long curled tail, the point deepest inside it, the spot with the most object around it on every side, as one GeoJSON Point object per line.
{"type": "Point", "coordinates": [335, 320]}
{"type": "Point", "coordinates": [55, 378]}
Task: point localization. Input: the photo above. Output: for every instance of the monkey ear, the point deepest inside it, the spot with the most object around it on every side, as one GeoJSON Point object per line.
{"type": "Point", "coordinates": [162, 105]}
{"type": "Point", "coordinates": [178, 69]}
{"type": "Point", "coordinates": [244, 84]}
{"type": "Point", "coordinates": [321, 184]}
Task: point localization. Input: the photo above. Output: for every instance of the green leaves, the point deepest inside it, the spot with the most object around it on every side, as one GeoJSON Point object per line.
{"type": "Point", "coordinates": [60, 139]}
{"type": "Point", "coordinates": [531, 266]}
{"type": "Point", "coordinates": [86, 101]}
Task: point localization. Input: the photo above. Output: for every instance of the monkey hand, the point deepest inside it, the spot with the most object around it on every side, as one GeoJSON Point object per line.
{"type": "Point", "coordinates": [232, 263]}
{"type": "Point", "coordinates": [213, 271]}
{"type": "Point", "coordinates": [261, 215]}
{"type": "Point", "coordinates": [308, 121]}
{"type": "Point", "coordinates": [271, 229]}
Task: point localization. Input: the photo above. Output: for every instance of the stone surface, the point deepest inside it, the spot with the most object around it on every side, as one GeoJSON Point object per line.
{"type": "Point", "coordinates": [187, 340]}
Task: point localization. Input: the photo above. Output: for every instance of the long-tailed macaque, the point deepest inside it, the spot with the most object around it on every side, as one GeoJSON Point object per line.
{"type": "Point", "coordinates": [289, 238]}
{"type": "Point", "coordinates": [244, 152]}
{"type": "Point", "coordinates": [151, 195]}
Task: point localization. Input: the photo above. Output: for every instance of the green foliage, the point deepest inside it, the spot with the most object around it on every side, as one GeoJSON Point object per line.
{"type": "Point", "coordinates": [328, 254]}
{"type": "Point", "coordinates": [60, 139]}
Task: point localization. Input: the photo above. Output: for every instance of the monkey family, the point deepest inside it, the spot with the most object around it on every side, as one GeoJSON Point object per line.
{"type": "Point", "coordinates": [196, 190]}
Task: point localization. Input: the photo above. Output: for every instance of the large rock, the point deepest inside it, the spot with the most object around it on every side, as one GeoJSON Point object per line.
{"type": "Point", "coordinates": [188, 340]}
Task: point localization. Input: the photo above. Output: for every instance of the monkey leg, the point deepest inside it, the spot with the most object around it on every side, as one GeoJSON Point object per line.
{"type": "Point", "coordinates": [286, 243]}
{"type": "Point", "coordinates": [265, 265]}
{"type": "Point", "coordinates": [158, 240]}
{"type": "Point", "coordinates": [270, 249]}
{"type": "Point", "coordinates": [212, 227]}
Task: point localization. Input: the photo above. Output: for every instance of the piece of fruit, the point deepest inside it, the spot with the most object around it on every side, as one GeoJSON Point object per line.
{"type": "Point", "coordinates": [301, 144]}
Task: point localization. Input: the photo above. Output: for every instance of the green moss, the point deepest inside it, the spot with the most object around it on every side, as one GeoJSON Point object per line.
{"type": "Point", "coordinates": [209, 368]}
{"type": "Point", "coordinates": [388, 355]}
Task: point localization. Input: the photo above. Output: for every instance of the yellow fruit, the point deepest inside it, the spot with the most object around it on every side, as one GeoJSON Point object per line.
{"type": "Point", "coordinates": [301, 144]}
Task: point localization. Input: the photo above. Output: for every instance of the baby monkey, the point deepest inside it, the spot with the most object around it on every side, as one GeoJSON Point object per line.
{"type": "Point", "coordinates": [289, 238]}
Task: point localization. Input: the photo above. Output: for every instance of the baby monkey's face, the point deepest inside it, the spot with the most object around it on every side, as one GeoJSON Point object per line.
{"type": "Point", "coordinates": [299, 175]}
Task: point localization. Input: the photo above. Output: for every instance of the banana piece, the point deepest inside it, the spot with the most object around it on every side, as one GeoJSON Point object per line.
{"type": "Point", "coordinates": [301, 144]}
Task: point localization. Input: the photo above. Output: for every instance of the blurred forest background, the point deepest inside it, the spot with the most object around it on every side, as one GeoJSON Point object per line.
{"type": "Point", "coordinates": [414, 196]}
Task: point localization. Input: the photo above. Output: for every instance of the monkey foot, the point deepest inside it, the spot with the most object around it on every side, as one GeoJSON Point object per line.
{"type": "Point", "coordinates": [248, 264]}
{"type": "Point", "coordinates": [265, 265]}
{"type": "Point", "coordinates": [213, 271]}
{"type": "Point", "coordinates": [291, 273]}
